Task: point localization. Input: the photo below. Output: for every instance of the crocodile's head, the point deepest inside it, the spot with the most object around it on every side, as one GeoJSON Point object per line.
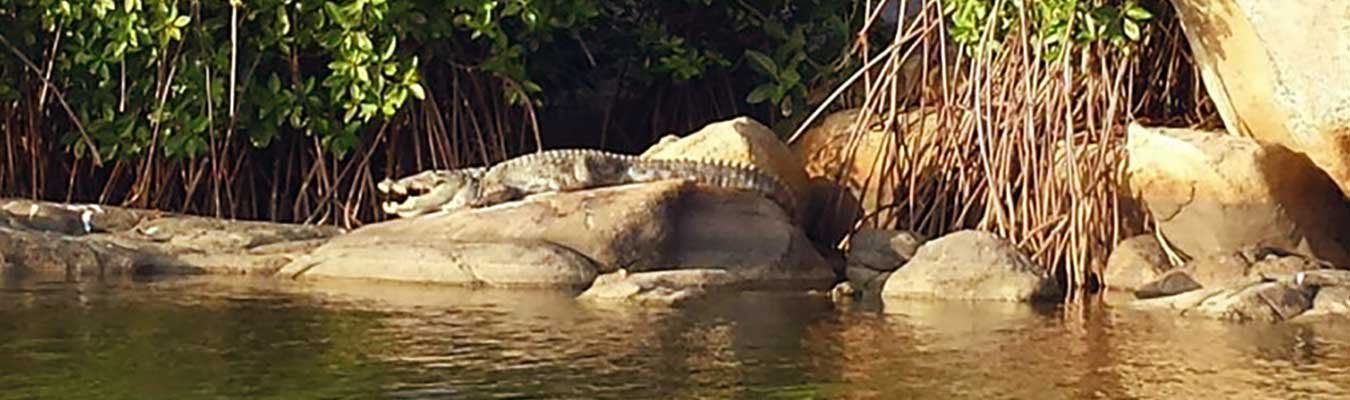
{"type": "Point", "coordinates": [429, 191]}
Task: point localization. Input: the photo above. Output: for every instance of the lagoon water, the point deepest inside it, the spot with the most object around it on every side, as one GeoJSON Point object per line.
{"type": "Point", "coordinates": [246, 339]}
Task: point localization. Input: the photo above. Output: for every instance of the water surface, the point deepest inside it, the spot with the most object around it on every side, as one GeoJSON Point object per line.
{"type": "Point", "coordinates": [213, 339]}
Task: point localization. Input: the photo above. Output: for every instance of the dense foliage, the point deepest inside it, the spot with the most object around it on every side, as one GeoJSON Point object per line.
{"type": "Point", "coordinates": [175, 75]}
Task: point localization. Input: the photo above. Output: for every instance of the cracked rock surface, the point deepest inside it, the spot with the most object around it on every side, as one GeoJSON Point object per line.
{"type": "Point", "coordinates": [1211, 193]}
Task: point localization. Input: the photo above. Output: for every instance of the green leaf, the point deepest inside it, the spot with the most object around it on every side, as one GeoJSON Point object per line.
{"type": "Point", "coordinates": [761, 93]}
{"type": "Point", "coordinates": [763, 62]}
{"type": "Point", "coordinates": [1138, 13]}
{"type": "Point", "coordinates": [389, 50]}
{"type": "Point", "coordinates": [181, 21]}
{"type": "Point", "coordinates": [1131, 30]}
{"type": "Point", "coordinates": [336, 14]}
{"type": "Point", "coordinates": [417, 91]}
{"type": "Point", "coordinates": [790, 77]}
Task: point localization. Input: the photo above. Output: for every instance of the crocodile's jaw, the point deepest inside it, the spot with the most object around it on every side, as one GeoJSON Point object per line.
{"type": "Point", "coordinates": [425, 192]}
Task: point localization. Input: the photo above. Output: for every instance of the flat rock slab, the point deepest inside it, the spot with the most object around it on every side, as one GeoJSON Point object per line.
{"type": "Point", "coordinates": [83, 240]}
{"type": "Point", "coordinates": [486, 264]}
{"type": "Point", "coordinates": [1317, 293]}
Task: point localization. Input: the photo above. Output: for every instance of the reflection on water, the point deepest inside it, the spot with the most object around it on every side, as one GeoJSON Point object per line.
{"type": "Point", "coordinates": [260, 340]}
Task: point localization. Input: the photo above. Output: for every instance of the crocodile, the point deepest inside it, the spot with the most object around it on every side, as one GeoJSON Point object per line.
{"type": "Point", "coordinates": [565, 170]}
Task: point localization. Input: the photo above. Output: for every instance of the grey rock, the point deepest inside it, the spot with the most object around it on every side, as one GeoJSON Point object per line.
{"type": "Point", "coordinates": [844, 291]}
{"type": "Point", "coordinates": [1263, 301]}
{"type": "Point", "coordinates": [971, 265]}
{"type": "Point", "coordinates": [1171, 283]}
{"type": "Point", "coordinates": [865, 279]}
{"type": "Point", "coordinates": [1269, 299]}
{"type": "Point", "coordinates": [1136, 261]}
{"type": "Point", "coordinates": [661, 288]}
{"type": "Point", "coordinates": [883, 249]}
{"type": "Point", "coordinates": [1331, 301]}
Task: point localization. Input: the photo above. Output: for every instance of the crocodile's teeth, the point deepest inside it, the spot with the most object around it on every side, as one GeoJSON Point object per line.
{"type": "Point", "coordinates": [385, 185]}
{"type": "Point", "coordinates": [389, 207]}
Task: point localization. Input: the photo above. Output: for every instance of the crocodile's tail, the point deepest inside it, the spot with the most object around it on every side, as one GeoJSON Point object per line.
{"type": "Point", "coordinates": [717, 173]}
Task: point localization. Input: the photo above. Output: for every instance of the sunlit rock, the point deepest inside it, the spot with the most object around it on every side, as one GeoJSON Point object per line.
{"type": "Point", "coordinates": [1211, 193]}
{"type": "Point", "coordinates": [1331, 301]}
{"type": "Point", "coordinates": [971, 265]}
{"type": "Point", "coordinates": [740, 140]}
{"type": "Point", "coordinates": [664, 225]}
{"type": "Point", "coordinates": [1277, 72]}
{"type": "Point", "coordinates": [860, 160]}
{"type": "Point", "coordinates": [1135, 261]}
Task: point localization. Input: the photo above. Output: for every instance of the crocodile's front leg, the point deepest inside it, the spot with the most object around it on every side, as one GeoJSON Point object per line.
{"type": "Point", "coordinates": [496, 194]}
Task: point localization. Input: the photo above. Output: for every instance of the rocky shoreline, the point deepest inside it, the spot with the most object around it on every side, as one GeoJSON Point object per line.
{"type": "Point", "coordinates": [1252, 235]}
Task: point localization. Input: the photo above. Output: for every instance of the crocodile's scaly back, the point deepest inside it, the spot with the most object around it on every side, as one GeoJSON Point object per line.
{"type": "Point", "coordinates": [717, 173]}
{"type": "Point", "coordinates": [577, 169]}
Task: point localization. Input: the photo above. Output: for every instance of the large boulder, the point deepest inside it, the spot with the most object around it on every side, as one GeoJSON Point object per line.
{"type": "Point", "coordinates": [739, 140]}
{"type": "Point", "coordinates": [861, 159]}
{"type": "Point", "coordinates": [1270, 69]}
{"type": "Point", "coordinates": [1134, 262]}
{"type": "Point", "coordinates": [971, 265]}
{"type": "Point", "coordinates": [1211, 193]}
{"type": "Point", "coordinates": [663, 225]}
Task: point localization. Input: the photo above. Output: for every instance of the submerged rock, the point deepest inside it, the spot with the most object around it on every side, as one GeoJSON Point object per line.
{"type": "Point", "coordinates": [666, 288]}
{"type": "Point", "coordinates": [1171, 283]}
{"type": "Point", "coordinates": [971, 265]}
{"type": "Point", "coordinates": [1256, 301]}
{"type": "Point", "coordinates": [1315, 293]}
{"type": "Point", "coordinates": [867, 281]}
{"type": "Point", "coordinates": [1216, 193]}
{"type": "Point", "coordinates": [1136, 261]}
{"type": "Point", "coordinates": [1247, 265]}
